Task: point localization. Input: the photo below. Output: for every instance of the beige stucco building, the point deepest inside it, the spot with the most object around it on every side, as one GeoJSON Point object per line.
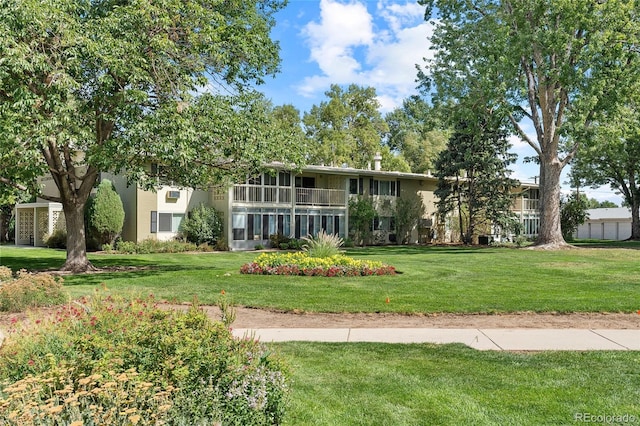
{"type": "Point", "coordinates": [291, 204]}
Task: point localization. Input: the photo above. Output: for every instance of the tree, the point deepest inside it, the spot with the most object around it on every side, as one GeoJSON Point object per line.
{"type": "Point", "coordinates": [204, 225]}
{"type": "Point", "coordinates": [102, 85]}
{"type": "Point", "coordinates": [361, 215]}
{"type": "Point", "coordinates": [348, 128]}
{"type": "Point", "coordinates": [595, 204]}
{"type": "Point", "coordinates": [611, 156]}
{"type": "Point", "coordinates": [550, 64]}
{"type": "Point", "coordinates": [414, 132]}
{"type": "Point", "coordinates": [473, 179]}
{"type": "Point", "coordinates": [105, 214]}
{"type": "Point", "coordinates": [573, 213]}
{"type": "Point", "coordinates": [409, 211]}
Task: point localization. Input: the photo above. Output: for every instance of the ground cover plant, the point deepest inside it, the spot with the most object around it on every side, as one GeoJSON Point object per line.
{"type": "Point", "coordinates": [105, 360]}
{"type": "Point", "coordinates": [425, 384]}
{"type": "Point", "coordinates": [25, 290]}
{"type": "Point", "coordinates": [433, 279]}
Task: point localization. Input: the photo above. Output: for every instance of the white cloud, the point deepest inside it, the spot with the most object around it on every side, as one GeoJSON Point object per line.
{"type": "Point", "coordinates": [350, 45]}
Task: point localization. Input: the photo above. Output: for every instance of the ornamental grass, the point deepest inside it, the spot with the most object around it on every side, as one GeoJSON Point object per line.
{"type": "Point", "coordinates": [301, 263]}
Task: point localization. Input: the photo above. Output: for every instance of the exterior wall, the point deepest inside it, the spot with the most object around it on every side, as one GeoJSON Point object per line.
{"type": "Point", "coordinates": [286, 204]}
{"type": "Point", "coordinates": [36, 221]}
{"type": "Point", "coordinates": [128, 195]}
{"type": "Point", "coordinates": [611, 229]}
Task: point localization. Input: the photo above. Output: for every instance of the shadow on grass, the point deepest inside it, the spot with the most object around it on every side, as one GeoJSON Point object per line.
{"type": "Point", "coordinates": [148, 271]}
{"type": "Point", "coordinates": [415, 250]}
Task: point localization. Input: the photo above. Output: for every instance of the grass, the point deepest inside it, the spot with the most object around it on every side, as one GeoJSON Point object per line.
{"type": "Point", "coordinates": [382, 384]}
{"type": "Point", "coordinates": [432, 279]}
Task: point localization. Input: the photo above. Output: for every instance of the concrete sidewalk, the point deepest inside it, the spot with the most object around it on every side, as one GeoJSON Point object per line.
{"type": "Point", "coordinates": [526, 339]}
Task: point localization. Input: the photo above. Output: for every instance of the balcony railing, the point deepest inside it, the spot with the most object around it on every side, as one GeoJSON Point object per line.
{"type": "Point", "coordinates": [529, 204]}
{"type": "Point", "coordinates": [320, 197]}
{"type": "Point", "coordinates": [278, 195]}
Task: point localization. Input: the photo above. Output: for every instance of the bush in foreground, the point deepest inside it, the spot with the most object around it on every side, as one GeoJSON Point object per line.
{"type": "Point", "coordinates": [300, 263]}
{"type": "Point", "coordinates": [29, 290]}
{"type": "Point", "coordinates": [105, 361]}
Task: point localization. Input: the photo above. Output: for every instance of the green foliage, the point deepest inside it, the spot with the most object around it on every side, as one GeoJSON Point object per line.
{"type": "Point", "coordinates": [110, 86]}
{"type": "Point", "coordinates": [277, 240]}
{"type": "Point", "coordinates": [105, 214]}
{"type": "Point", "coordinates": [322, 245]}
{"type": "Point", "coordinates": [565, 63]}
{"type": "Point", "coordinates": [610, 155]}
{"type": "Point", "coordinates": [606, 204]}
{"type": "Point", "coordinates": [203, 225]}
{"type": "Point", "coordinates": [414, 132]}
{"type": "Point", "coordinates": [361, 215]}
{"type": "Point", "coordinates": [113, 361]}
{"type": "Point", "coordinates": [57, 240]}
{"type": "Point", "coordinates": [29, 290]}
{"type": "Point", "coordinates": [573, 213]}
{"type": "Point", "coordinates": [482, 197]}
{"type": "Point", "coordinates": [149, 246]}
{"type": "Point", "coordinates": [409, 210]}
{"type": "Point", "coordinates": [348, 128]}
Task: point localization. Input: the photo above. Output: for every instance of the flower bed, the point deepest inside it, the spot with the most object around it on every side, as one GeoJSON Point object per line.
{"type": "Point", "coordinates": [303, 264]}
{"type": "Point", "coordinates": [106, 361]}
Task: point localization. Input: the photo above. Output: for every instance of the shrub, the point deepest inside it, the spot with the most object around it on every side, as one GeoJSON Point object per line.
{"type": "Point", "coordinates": [150, 246]}
{"type": "Point", "coordinates": [259, 247]}
{"type": "Point", "coordinates": [203, 225]}
{"type": "Point", "coordinates": [302, 264]}
{"type": "Point", "coordinates": [58, 239]}
{"type": "Point", "coordinates": [29, 290]}
{"type": "Point", "coordinates": [322, 245]}
{"type": "Point", "coordinates": [105, 214]}
{"type": "Point", "coordinates": [361, 215]}
{"type": "Point", "coordinates": [109, 361]}
{"type": "Point", "coordinates": [276, 240]}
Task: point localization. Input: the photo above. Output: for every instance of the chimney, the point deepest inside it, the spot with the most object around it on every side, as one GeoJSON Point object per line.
{"type": "Point", "coordinates": [377, 159]}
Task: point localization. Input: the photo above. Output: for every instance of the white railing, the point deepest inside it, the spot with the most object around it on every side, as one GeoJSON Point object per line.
{"type": "Point", "coordinates": [528, 204]}
{"type": "Point", "coordinates": [320, 197]}
{"type": "Point", "coordinates": [280, 195]}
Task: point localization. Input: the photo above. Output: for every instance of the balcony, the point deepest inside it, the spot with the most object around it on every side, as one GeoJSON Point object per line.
{"type": "Point", "coordinates": [257, 194]}
{"type": "Point", "coordinates": [529, 204]}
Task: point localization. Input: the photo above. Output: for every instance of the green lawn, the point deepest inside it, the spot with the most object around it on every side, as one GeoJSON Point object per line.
{"type": "Point", "coordinates": [432, 279]}
{"type": "Point", "coordinates": [381, 384]}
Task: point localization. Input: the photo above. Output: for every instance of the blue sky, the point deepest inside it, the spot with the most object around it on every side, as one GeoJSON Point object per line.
{"type": "Point", "coordinates": [373, 43]}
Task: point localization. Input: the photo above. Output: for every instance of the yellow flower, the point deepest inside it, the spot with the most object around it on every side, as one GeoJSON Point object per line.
{"type": "Point", "coordinates": [134, 419]}
{"type": "Point", "coordinates": [77, 423]}
{"type": "Point", "coordinates": [56, 409]}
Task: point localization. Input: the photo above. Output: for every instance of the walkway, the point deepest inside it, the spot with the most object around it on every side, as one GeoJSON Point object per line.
{"type": "Point", "coordinates": [482, 339]}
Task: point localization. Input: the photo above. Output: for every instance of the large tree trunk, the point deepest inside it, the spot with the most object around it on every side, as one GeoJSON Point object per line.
{"type": "Point", "coordinates": [635, 219]}
{"type": "Point", "coordinates": [550, 232]}
{"type": "Point", "coordinates": [77, 260]}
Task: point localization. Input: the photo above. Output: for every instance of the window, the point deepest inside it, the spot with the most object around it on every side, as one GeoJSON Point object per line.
{"type": "Point", "coordinates": [353, 186]}
{"type": "Point", "coordinates": [239, 221]}
{"type": "Point", "coordinates": [285, 178]}
{"type": "Point", "coordinates": [154, 222]}
{"type": "Point", "coordinates": [384, 187]}
{"type": "Point", "coordinates": [270, 179]}
{"type": "Point", "coordinates": [166, 222]}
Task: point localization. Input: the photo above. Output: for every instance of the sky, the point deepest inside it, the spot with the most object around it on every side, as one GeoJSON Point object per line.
{"type": "Point", "coordinates": [375, 43]}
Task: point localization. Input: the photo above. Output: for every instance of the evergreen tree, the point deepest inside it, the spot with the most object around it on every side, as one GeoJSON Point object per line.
{"type": "Point", "coordinates": [105, 214]}
{"type": "Point", "coordinates": [473, 178]}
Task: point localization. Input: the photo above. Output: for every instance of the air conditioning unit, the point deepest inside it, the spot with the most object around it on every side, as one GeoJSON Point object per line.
{"type": "Point", "coordinates": [173, 195]}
